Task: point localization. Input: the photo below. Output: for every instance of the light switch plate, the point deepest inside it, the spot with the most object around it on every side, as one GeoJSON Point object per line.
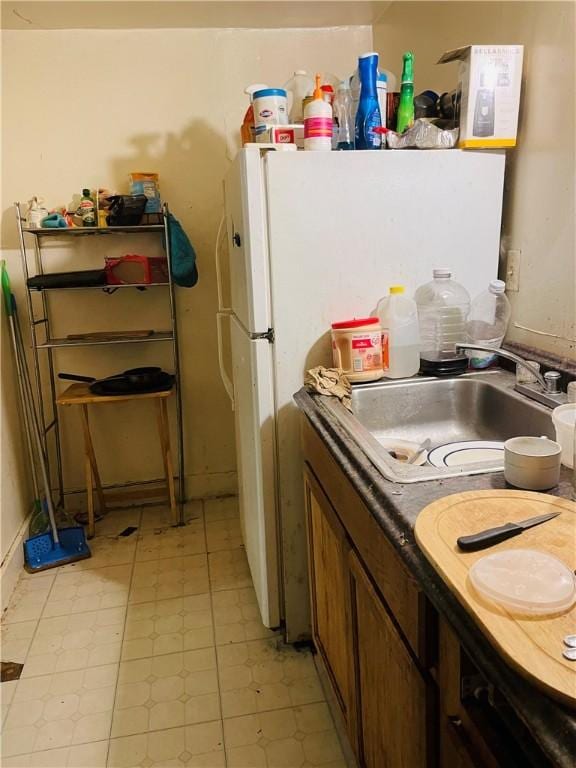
{"type": "Point", "coordinates": [513, 270]}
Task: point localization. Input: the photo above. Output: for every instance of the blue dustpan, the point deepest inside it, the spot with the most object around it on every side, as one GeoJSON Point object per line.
{"type": "Point", "coordinates": [42, 552]}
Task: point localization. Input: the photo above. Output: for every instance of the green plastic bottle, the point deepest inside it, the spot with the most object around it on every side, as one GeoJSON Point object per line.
{"type": "Point", "coordinates": [87, 209]}
{"type": "Point", "coordinates": [406, 106]}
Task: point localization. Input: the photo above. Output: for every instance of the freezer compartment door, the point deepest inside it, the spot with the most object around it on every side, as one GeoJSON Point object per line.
{"type": "Point", "coordinates": [247, 237]}
{"type": "Point", "coordinates": [255, 449]}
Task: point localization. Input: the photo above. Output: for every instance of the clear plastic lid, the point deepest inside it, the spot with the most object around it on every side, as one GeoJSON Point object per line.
{"type": "Point", "coordinates": [525, 581]}
{"type": "Point", "coordinates": [441, 272]}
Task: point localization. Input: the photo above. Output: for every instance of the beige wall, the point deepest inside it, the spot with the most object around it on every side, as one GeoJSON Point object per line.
{"type": "Point", "coordinates": [539, 201]}
{"type": "Point", "coordinates": [84, 108]}
{"type": "Point", "coordinates": [15, 490]}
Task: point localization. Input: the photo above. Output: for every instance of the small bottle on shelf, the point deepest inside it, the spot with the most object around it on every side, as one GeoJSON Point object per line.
{"type": "Point", "coordinates": [406, 106]}
{"type": "Point", "coordinates": [87, 209]}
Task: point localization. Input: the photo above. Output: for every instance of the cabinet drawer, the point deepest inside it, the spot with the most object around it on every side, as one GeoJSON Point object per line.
{"type": "Point", "coordinates": [396, 585]}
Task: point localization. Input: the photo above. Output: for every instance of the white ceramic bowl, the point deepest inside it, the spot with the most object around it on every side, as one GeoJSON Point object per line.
{"type": "Point", "coordinates": [532, 463]}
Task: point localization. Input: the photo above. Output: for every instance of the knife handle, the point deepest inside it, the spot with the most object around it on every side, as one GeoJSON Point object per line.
{"type": "Point", "coordinates": [489, 537]}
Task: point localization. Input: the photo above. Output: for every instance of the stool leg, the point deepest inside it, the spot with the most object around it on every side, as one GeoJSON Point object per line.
{"type": "Point", "coordinates": [91, 455]}
{"type": "Point", "coordinates": [164, 431]}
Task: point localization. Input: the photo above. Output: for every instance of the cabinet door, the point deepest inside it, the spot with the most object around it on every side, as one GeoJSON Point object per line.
{"type": "Point", "coordinates": [330, 591]}
{"type": "Point", "coordinates": [392, 695]}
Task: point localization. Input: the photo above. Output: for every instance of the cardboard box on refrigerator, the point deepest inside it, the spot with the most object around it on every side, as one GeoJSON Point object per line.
{"type": "Point", "coordinates": [489, 80]}
{"type": "Point", "coordinates": [281, 134]}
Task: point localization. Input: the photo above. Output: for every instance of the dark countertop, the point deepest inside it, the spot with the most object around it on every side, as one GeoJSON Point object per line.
{"type": "Point", "coordinates": [396, 507]}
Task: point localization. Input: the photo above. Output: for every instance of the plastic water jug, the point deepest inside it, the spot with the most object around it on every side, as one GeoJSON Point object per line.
{"type": "Point", "coordinates": [487, 322]}
{"type": "Point", "coordinates": [443, 307]}
{"type": "Point", "coordinates": [400, 338]}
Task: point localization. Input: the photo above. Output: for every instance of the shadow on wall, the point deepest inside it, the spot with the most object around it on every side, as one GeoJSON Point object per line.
{"type": "Point", "coordinates": [191, 164]}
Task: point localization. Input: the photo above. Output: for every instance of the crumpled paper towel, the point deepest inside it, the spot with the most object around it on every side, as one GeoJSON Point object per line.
{"type": "Point", "coordinates": [330, 381]}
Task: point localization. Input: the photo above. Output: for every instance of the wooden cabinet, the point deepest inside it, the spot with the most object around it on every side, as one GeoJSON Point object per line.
{"type": "Point", "coordinates": [392, 696]}
{"type": "Point", "coordinates": [368, 650]}
{"type": "Point", "coordinates": [409, 695]}
{"type": "Point", "coordinates": [328, 550]}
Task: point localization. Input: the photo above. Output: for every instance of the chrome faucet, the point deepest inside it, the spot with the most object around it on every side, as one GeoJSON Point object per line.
{"type": "Point", "coordinates": [547, 392]}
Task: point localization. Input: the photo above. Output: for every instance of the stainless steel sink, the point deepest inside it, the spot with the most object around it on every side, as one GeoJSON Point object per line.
{"type": "Point", "coordinates": [476, 406]}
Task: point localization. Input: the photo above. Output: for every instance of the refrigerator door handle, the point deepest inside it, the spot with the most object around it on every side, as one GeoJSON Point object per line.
{"type": "Point", "coordinates": [221, 228]}
{"type": "Point", "coordinates": [228, 386]}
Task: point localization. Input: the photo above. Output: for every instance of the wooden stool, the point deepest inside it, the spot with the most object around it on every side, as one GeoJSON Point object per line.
{"type": "Point", "coordinates": [79, 394]}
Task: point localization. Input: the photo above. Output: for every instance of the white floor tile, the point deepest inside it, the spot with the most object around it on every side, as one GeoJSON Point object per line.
{"type": "Point", "coordinates": [161, 580]}
{"type": "Point", "coordinates": [161, 516]}
{"type": "Point", "coordinates": [168, 626]}
{"type": "Point", "coordinates": [77, 641]}
{"type": "Point", "coordinates": [229, 570]}
{"type": "Point", "coordinates": [300, 737]}
{"type": "Point", "coordinates": [15, 640]}
{"type": "Point", "coordinates": [195, 746]}
{"type": "Point", "coordinates": [78, 591]}
{"type": "Point", "coordinates": [91, 755]}
{"type": "Point", "coordinates": [225, 508]}
{"type": "Point", "coordinates": [237, 617]}
{"type": "Point", "coordinates": [106, 551]}
{"type": "Point", "coordinates": [60, 710]}
{"type": "Point", "coordinates": [162, 543]}
{"type": "Point", "coordinates": [223, 535]}
{"type": "Point", "coordinates": [7, 691]}
{"type": "Point", "coordinates": [116, 521]}
{"type": "Point", "coordinates": [29, 598]}
{"type": "Point", "coordinates": [166, 691]}
{"type": "Point", "coordinates": [265, 674]}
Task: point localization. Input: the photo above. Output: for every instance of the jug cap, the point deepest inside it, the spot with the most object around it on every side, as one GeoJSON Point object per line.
{"type": "Point", "coordinates": [442, 272]}
{"type": "Point", "coordinates": [396, 289]}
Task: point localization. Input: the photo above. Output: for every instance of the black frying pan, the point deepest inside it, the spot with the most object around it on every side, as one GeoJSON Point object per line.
{"type": "Point", "coordinates": [134, 381]}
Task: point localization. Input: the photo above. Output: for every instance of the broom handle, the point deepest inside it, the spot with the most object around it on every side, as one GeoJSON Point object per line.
{"type": "Point", "coordinates": [22, 365]}
{"type": "Point", "coordinates": [25, 413]}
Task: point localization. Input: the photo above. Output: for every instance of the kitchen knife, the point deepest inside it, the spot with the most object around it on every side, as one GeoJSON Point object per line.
{"type": "Point", "coordinates": [491, 536]}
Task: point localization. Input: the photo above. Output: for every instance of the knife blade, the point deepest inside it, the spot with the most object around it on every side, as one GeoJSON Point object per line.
{"type": "Point", "coordinates": [491, 536]}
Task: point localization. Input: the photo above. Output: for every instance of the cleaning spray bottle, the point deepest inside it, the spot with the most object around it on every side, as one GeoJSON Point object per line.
{"type": "Point", "coordinates": [368, 114]}
{"type": "Point", "coordinates": [318, 122]}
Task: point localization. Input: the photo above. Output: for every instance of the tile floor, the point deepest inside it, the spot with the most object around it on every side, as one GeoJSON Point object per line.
{"type": "Point", "coordinates": [151, 654]}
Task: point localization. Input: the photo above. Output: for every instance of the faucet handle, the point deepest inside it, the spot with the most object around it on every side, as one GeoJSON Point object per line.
{"type": "Point", "coordinates": [552, 379]}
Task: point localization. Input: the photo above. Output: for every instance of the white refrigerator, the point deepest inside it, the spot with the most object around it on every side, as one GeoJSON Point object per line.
{"type": "Point", "coordinates": [313, 238]}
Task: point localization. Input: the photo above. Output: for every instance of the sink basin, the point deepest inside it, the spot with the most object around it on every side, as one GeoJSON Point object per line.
{"type": "Point", "coordinates": [475, 406]}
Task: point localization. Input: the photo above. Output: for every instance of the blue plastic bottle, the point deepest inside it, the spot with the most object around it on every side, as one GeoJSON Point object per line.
{"type": "Point", "coordinates": [368, 115]}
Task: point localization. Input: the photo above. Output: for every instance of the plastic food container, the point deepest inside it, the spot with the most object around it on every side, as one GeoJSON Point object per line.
{"type": "Point", "coordinates": [357, 348]}
{"type": "Point", "coordinates": [524, 581]}
{"type": "Point", "coordinates": [564, 420]}
{"type": "Point", "coordinates": [532, 463]}
{"type": "Point", "coordinates": [270, 107]}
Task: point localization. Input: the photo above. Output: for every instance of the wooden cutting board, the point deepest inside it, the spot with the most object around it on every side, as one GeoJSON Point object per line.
{"type": "Point", "coordinates": [533, 645]}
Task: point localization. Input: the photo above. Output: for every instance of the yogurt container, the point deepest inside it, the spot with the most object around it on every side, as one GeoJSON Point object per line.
{"type": "Point", "coordinates": [270, 107]}
{"type": "Point", "coordinates": [357, 348]}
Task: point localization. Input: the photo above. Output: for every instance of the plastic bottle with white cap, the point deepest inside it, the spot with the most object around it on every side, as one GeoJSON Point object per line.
{"type": "Point", "coordinates": [487, 322]}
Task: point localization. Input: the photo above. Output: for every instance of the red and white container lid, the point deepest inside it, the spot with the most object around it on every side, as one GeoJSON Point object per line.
{"type": "Point", "coordinates": [346, 325]}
